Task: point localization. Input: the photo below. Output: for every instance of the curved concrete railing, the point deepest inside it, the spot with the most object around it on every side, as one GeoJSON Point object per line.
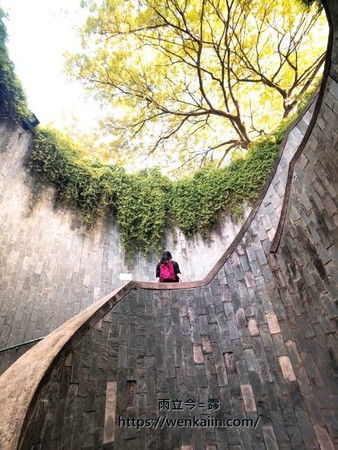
{"type": "Point", "coordinates": [22, 382]}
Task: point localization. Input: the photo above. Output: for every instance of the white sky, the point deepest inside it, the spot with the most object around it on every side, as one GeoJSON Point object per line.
{"type": "Point", "coordinates": [39, 31]}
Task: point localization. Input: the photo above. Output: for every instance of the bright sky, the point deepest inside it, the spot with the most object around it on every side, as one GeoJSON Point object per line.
{"type": "Point", "coordinates": [39, 32]}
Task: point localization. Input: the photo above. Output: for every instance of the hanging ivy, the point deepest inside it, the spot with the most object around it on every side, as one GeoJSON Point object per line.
{"type": "Point", "coordinates": [91, 187]}
{"type": "Point", "coordinates": [142, 210]}
{"type": "Point", "coordinates": [146, 203]}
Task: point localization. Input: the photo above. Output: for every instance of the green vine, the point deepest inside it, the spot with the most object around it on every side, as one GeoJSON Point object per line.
{"type": "Point", "coordinates": [142, 210]}
{"type": "Point", "coordinates": [196, 201]}
{"type": "Point", "coordinates": [146, 203]}
{"type": "Point", "coordinates": [139, 201]}
{"type": "Point", "coordinates": [92, 187]}
{"type": "Point", "coordinates": [13, 103]}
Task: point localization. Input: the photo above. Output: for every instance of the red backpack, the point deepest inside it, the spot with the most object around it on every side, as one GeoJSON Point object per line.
{"type": "Point", "coordinates": [167, 272]}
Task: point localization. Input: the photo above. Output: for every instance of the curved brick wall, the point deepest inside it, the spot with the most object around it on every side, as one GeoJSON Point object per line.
{"type": "Point", "coordinates": [258, 335]}
{"type": "Point", "coordinates": [51, 267]}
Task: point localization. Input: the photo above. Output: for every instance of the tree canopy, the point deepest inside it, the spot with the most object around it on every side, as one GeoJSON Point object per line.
{"type": "Point", "coordinates": [190, 81]}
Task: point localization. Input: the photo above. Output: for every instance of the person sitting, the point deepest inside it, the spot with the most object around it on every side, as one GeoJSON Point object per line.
{"type": "Point", "coordinates": [167, 270]}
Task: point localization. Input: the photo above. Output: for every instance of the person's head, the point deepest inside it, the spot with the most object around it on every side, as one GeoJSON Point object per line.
{"type": "Point", "coordinates": [167, 255]}
{"type": "Point", "coordinates": [164, 260]}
